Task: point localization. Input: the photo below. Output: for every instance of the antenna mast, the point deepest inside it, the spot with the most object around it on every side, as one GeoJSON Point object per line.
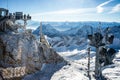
{"type": "Point", "coordinates": [7, 4]}
{"type": "Point", "coordinates": [40, 29]}
{"type": "Point", "coordinates": [99, 27]}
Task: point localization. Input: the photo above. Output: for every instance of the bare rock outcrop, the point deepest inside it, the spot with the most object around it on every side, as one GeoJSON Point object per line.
{"type": "Point", "coordinates": [21, 54]}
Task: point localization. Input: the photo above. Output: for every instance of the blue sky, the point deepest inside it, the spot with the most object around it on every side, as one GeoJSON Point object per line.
{"type": "Point", "coordinates": [67, 10]}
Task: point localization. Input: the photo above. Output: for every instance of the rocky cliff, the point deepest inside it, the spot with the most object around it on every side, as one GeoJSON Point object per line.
{"type": "Point", "coordinates": [21, 54]}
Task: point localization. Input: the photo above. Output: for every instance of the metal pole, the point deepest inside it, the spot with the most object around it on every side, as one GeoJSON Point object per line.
{"type": "Point", "coordinates": [40, 29]}
{"type": "Point", "coordinates": [7, 4]}
{"type": "Point", "coordinates": [97, 64]}
{"type": "Point", "coordinates": [25, 23]}
{"type": "Point", "coordinates": [89, 63]}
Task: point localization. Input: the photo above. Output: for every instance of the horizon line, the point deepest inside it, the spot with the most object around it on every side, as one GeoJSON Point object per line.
{"type": "Point", "coordinates": [72, 21]}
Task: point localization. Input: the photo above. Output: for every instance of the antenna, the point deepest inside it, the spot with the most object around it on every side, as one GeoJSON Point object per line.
{"type": "Point", "coordinates": [99, 27]}
{"type": "Point", "coordinates": [40, 29]}
{"type": "Point", "coordinates": [7, 4]}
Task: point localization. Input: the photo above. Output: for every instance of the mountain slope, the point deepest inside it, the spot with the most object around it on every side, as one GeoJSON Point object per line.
{"type": "Point", "coordinates": [47, 30]}
{"type": "Point", "coordinates": [76, 69]}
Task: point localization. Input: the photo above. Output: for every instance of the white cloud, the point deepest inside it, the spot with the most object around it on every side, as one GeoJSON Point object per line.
{"type": "Point", "coordinates": [67, 12]}
{"type": "Point", "coordinates": [100, 8]}
{"type": "Point", "coordinates": [115, 9]}
{"type": "Point", "coordinates": [60, 14]}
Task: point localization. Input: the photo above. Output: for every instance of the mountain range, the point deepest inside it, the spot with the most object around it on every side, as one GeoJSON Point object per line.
{"type": "Point", "coordinates": [73, 35]}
